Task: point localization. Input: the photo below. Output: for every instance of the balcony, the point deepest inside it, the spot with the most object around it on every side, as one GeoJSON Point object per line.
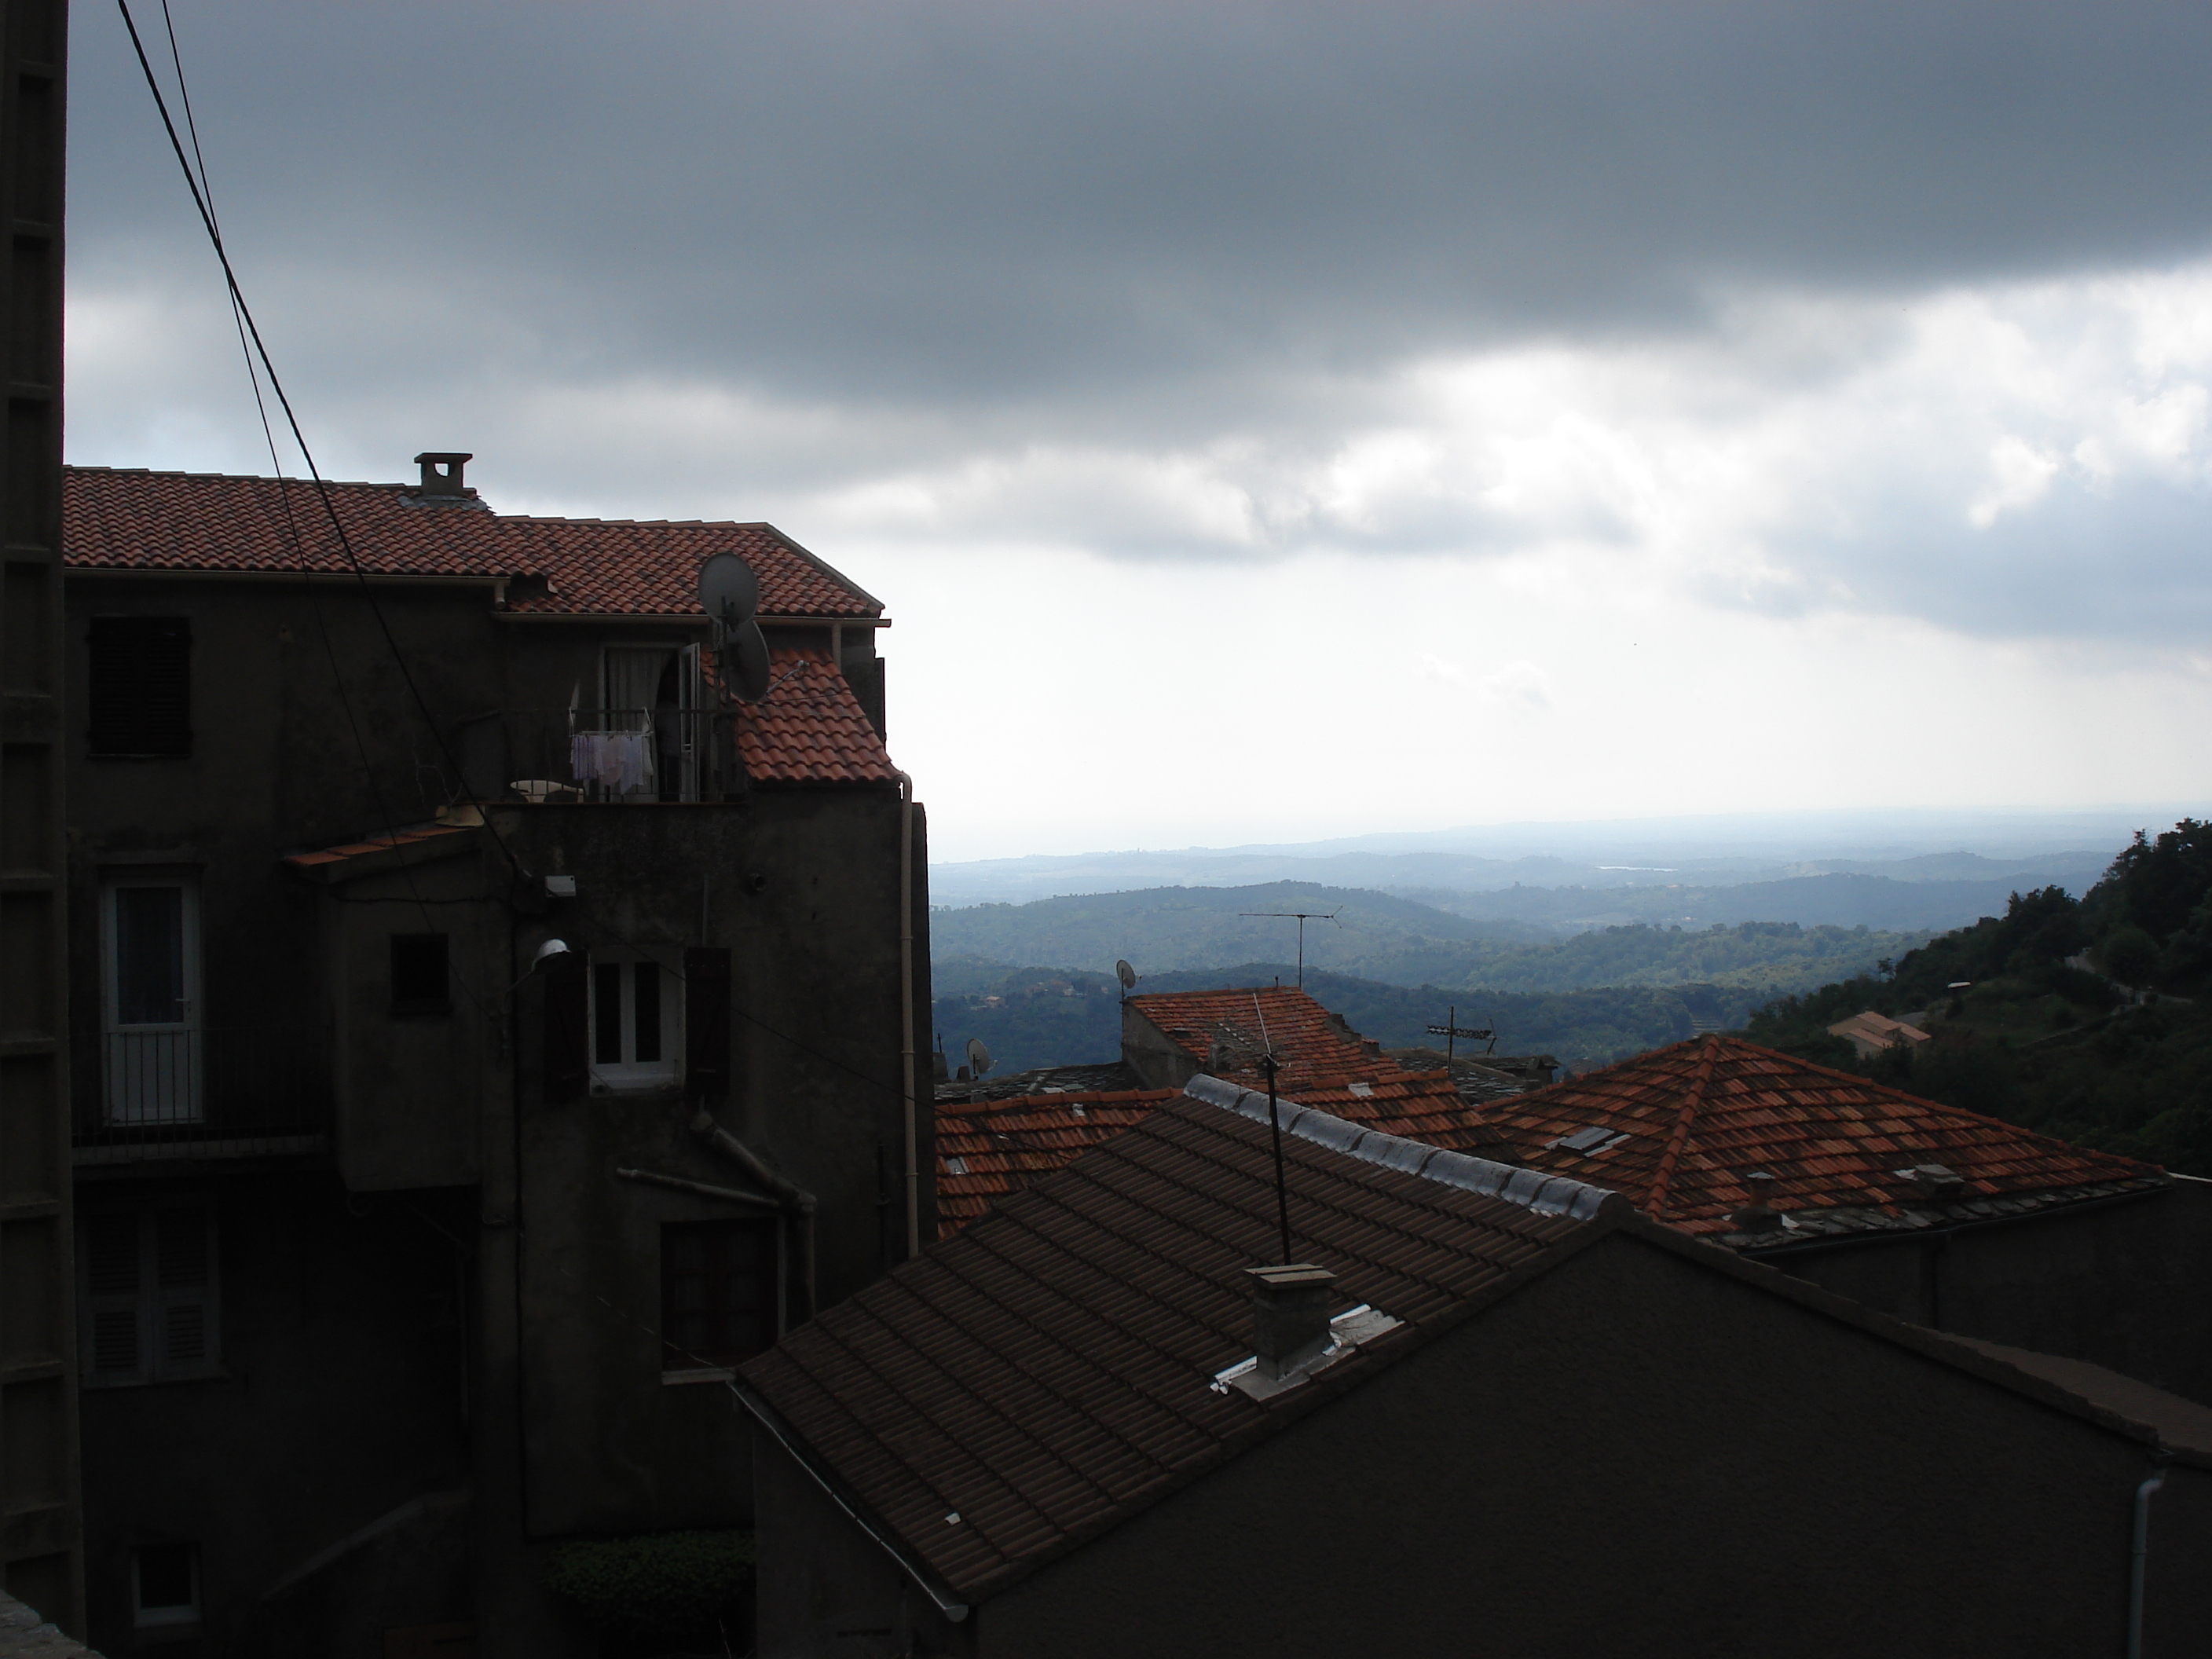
{"type": "Point", "coordinates": [601, 754]}
{"type": "Point", "coordinates": [244, 1091]}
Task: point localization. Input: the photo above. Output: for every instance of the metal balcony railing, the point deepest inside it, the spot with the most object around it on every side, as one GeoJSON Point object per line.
{"type": "Point", "coordinates": [605, 754]}
{"type": "Point", "coordinates": [229, 1091]}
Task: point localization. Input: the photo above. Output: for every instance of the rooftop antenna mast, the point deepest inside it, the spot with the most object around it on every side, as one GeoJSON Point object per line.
{"type": "Point", "coordinates": [1451, 1031]}
{"type": "Point", "coordinates": [1303, 916]}
{"type": "Point", "coordinates": [1275, 1129]}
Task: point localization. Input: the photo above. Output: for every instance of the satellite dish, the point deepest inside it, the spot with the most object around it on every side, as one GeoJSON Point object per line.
{"type": "Point", "coordinates": [1127, 974]}
{"type": "Point", "coordinates": [729, 593]}
{"type": "Point", "coordinates": [743, 660]}
{"type": "Point", "coordinates": [978, 1057]}
{"type": "Point", "coordinates": [728, 590]}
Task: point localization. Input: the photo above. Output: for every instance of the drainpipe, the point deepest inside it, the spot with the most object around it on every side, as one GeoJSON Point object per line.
{"type": "Point", "coordinates": [906, 1015]}
{"type": "Point", "coordinates": [790, 1196]}
{"type": "Point", "coordinates": [2139, 1559]}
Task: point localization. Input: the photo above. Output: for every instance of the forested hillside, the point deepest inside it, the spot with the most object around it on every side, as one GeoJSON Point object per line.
{"type": "Point", "coordinates": [1376, 936]}
{"type": "Point", "coordinates": [1043, 1017]}
{"type": "Point", "coordinates": [2089, 1019]}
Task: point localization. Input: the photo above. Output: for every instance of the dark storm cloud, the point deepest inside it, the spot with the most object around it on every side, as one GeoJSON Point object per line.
{"type": "Point", "coordinates": [1066, 213]}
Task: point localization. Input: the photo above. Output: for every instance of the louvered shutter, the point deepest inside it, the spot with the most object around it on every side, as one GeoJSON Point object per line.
{"type": "Point", "coordinates": [566, 1050]}
{"type": "Point", "coordinates": [707, 1023]}
{"type": "Point", "coordinates": [115, 1340]}
{"type": "Point", "coordinates": [141, 686]}
{"type": "Point", "coordinates": [183, 1272]}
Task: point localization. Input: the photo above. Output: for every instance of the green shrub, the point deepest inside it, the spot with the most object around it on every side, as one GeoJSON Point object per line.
{"type": "Point", "coordinates": [662, 1589]}
{"type": "Point", "coordinates": [2130, 955]}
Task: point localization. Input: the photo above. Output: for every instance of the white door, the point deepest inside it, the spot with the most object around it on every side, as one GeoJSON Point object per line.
{"type": "Point", "coordinates": [150, 939]}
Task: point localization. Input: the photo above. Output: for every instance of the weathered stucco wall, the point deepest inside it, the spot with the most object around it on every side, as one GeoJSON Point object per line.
{"type": "Point", "coordinates": [2120, 1285]}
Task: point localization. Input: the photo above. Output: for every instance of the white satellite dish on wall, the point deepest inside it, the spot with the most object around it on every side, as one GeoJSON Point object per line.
{"type": "Point", "coordinates": [978, 1057]}
{"type": "Point", "coordinates": [729, 593]}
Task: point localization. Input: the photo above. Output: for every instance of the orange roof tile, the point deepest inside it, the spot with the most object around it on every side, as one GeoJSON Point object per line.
{"type": "Point", "coordinates": [1226, 1031]}
{"type": "Point", "coordinates": [984, 1153]}
{"type": "Point", "coordinates": [1688, 1122]}
{"type": "Point", "coordinates": [812, 729]}
{"type": "Point", "coordinates": [127, 518]}
{"type": "Point", "coordinates": [1005, 1145]}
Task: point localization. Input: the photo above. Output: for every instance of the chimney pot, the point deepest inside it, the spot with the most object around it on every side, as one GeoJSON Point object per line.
{"type": "Point", "coordinates": [1290, 1316]}
{"type": "Point", "coordinates": [442, 471]}
{"type": "Point", "coordinates": [1759, 1216]}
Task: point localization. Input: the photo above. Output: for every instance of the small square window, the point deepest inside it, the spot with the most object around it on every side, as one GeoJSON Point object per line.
{"type": "Point", "coordinates": [419, 983]}
{"type": "Point", "coordinates": [717, 1291]}
{"type": "Point", "coordinates": [164, 1585]}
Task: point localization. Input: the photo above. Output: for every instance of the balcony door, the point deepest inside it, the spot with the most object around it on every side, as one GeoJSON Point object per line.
{"type": "Point", "coordinates": [150, 997]}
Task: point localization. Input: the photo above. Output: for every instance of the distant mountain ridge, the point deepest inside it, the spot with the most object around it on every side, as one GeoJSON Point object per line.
{"type": "Point", "coordinates": [1421, 874]}
{"type": "Point", "coordinates": [1382, 937]}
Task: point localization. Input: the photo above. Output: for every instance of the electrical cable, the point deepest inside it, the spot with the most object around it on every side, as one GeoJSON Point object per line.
{"type": "Point", "coordinates": [203, 198]}
{"type": "Point", "coordinates": [245, 314]}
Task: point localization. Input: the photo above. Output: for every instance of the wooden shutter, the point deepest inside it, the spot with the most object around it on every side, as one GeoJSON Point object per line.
{"type": "Point", "coordinates": [141, 686]}
{"type": "Point", "coordinates": [115, 1311]}
{"type": "Point", "coordinates": [707, 1023]}
{"type": "Point", "coordinates": [185, 1300]}
{"type": "Point", "coordinates": [566, 1049]}
{"type": "Point", "coordinates": [717, 1290]}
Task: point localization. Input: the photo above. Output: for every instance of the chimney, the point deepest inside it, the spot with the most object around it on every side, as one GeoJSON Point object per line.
{"type": "Point", "coordinates": [1759, 1216]}
{"type": "Point", "coordinates": [1290, 1316]}
{"type": "Point", "coordinates": [441, 472]}
{"type": "Point", "coordinates": [1936, 1182]}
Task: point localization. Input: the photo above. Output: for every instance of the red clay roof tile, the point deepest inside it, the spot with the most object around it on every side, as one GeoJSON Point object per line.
{"type": "Point", "coordinates": [125, 519]}
{"type": "Point", "coordinates": [1700, 1116]}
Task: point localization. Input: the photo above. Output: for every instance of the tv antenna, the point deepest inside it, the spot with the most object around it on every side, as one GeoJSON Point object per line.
{"type": "Point", "coordinates": [1127, 975]}
{"type": "Point", "coordinates": [1451, 1031]}
{"type": "Point", "coordinates": [1303, 916]}
{"type": "Point", "coordinates": [1274, 1129]}
{"type": "Point", "coordinates": [978, 1057]}
{"type": "Point", "coordinates": [729, 593]}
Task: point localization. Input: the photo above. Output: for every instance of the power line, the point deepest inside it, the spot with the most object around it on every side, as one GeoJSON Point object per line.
{"type": "Point", "coordinates": [245, 314]}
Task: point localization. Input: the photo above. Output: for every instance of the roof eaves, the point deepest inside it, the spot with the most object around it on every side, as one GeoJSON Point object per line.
{"type": "Point", "coordinates": [849, 1501]}
{"type": "Point", "coordinates": [822, 565]}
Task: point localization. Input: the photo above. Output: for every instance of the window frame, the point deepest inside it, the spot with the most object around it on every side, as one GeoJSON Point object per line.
{"type": "Point", "coordinates": [170, 1082]}
{"type": "Point", "coordinates": [681, 1364]}
{"type": "Point", "coordinates": [630, 1073]}
{"type": "Point", "coordinates": [148, 1302]}
{"type": "Point", "coordinates": [169, 1615]}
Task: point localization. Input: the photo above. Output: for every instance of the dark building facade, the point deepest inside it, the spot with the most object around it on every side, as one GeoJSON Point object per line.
{"type": "Point", "coordinates": [1491, 1411]}
{"type": "Point", "coordinates": [41, 1534]}
{"type": "Point", "coordinates": [486, 1034]}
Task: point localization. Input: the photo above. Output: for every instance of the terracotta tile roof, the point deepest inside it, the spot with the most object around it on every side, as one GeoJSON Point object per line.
{"type": "Point", "coordinates": [1334, 1069]}
{"type": "Point", "coordinates": [126, 518]}
{"type": "Point", "coordinates": [1102, 1078]}
{"type": "Point", "coordinates": [1049, 1371]}
{"type": "Point", "coordinates": [812, 729]}
{"type": "Point", "coordinates": [1226, 1031]}
{"type": "Point", "coordinates": [1694, 1119]}
{"type": "Point", "coordinates": [986, 1152]}
{"type": "Point", "coordinates": [433, 839]}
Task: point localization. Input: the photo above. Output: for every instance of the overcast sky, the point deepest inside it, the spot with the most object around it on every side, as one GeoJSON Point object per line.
{"type": "Point", "coordinates": [1271, 421]}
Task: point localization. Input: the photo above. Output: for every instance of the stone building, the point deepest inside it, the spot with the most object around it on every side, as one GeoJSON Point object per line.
{"type": "Point", "coordinates": [485, 1035]}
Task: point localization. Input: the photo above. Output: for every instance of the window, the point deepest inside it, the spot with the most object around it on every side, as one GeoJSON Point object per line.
{"type": "Point", "coordinates": [150, 998]}
{"type": "Point", "coordinates": [164, 1585]}
{"type": "Point", "coordinates": [633, 1023]}
{"type": "Point", "coordinates": [418, 975]}
{"type": "Point", "coordinates": [717, 1291]}
{"type": "Point", "coordinates": [149, 1313]}
{"type": "Point", "coordinates": [141, 691]}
